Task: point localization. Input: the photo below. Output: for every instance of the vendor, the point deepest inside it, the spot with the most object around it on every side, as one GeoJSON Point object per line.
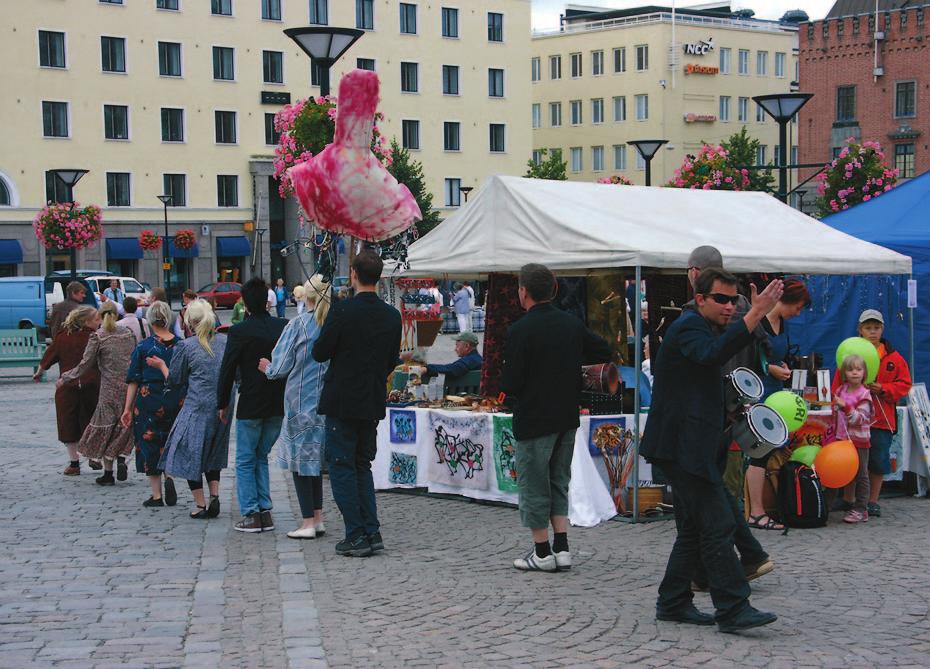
{"type": "Point", "coordinates": [466, 347]}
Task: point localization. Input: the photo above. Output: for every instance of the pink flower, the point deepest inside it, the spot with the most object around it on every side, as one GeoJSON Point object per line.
{"type": "Point", "coordinates": [866, 198]}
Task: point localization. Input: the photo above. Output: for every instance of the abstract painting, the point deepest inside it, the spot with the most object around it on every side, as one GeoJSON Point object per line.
{"type": "Point", "coordinates": [505, 454]}
{"type": "Point", "coordinates": [403, 427]}
{"type": "Point", "coordinates": [460, 444]}
{"type": "Point", "coordinates": [403, 469]}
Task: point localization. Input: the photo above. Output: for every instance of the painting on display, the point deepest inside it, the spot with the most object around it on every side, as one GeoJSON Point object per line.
{"type": "Point", "coordinates": [505, 454]}
{"type": "Point", "coordinates": [460, 448]}
{"type": "Point", "coordinates": [919, 404]}
{"type": "Point", "coordinates": [403, 470]}
{"type": "Point", "coordinates": [403, 427]}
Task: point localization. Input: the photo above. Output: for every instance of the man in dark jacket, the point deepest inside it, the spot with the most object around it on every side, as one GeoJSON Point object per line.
{"type": "Point", "coordinates": [261, 404]}
{"type": "Point", "coordinates": [685, 438]}
{"type": "Point", "coordinates": [76, 292]}
{"type": "Point", "coordinates": [544, 354]}
{"type": "Point", "coordinates": [361, 339]}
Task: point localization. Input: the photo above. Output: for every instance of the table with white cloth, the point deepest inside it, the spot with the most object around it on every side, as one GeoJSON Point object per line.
{"type": "Point", "coordinates": [473, 455]}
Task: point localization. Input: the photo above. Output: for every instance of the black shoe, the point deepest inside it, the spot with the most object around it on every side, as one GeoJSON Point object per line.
{"type": "Point", "coordinates": [745, 620]}
{"type": "Point", "coordinates": [151, 501]}
{"type": "Point", "coordinates": [106, 479]}
{"type": "Point", "coordinates": [688, 614]}
{"type": "Point", "coordinates": [121, 472]}
{"type": "Point", "coordinates": [200, 514]}
{"type": "Point", "coordinates": [267, 520]}
{"type": "Point", "coordinates": [171, 494]}
{"type": "Point", "coordinates": [96, 465]}
{"type": "Point", "coordinates": [377, 543]}
{"type": "Point", "coordinates": [358, 547]}
{"type": "Point", "coordinates": [214, 509]}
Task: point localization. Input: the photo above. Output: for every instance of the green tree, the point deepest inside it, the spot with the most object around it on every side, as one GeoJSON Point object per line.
{"type": "Point", "coordinates": [743, 151]}
{"type": "Point", "coordinates": [552, 167]}
{"type": "Point", "coordinates": [410, 173]}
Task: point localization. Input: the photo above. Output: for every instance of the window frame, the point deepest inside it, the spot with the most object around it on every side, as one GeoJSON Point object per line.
{"type": "Point", "coordinates": [452, 191]}
{"type": "Point", "coordinates": [622, 100]}
{"type": "Point", "coordinates": [495, 28]}
{"type": "Point", "coordinates": [416, 72]}
{"type": "Point", "coordinates": [451, 11]}
{"type": "Point", "coordinates": [557, 108]}
{"type": "Point", "coordinates": [213, 51]}
{"type": "Point", "coordinates": [458, 83]}
{"type": "Point", "coordinates": [321, 9]}
{"type": "Point", "coordinates": [740, 70]}
{"type": "Point", "coordinates": [265, 79]}
{"type": "Point", "coordinates": [491, 138]}
{"type": "Point", "coordinates": [597, 109]}
{"type": "Point", "coordinates": [726, 60]}
{"type": "Point", "coordinates": [842, 100]}
{"type": "Point", "coordinates": [269, 4]}
{"type": "Point", "coordinates": [446, 126]}
{"type": "Point", "coordinates": [373, 68]}
{"type": "Point", "coordinates": [780, 58]}
{"type": "Point", "coordinates": [161, 115]}
{"type": "Point", "coordinates": [762, 59]}
{"type": "Point", "coordinates": [405, 137]}
{"type": "Point", "coordinates": [594, 158]}
{"type": "Point", "coordinates": [597, 64]}
{"type": "Point", "coordinates": [576, 152]}
{"type": "Point", "coordinates": [128, 186]}
{"type": "Point", "coordinates": [535, 69]}
{"type": "Point", "coordinates": [555, 64]}
{"type": "Point", "coordinates": [275, 135]}
{"type": "Point", "coordinates": [176, 8]}
{"type": "Point", "coordinates": [171, 191]}
{"type": "Point", "coordinates": [64, 48]}
{"type": "Point", "coordinates": [620, 162]}
{"type": "Point", "coordinates": [644, 50]}
{"type": "Point", "coordinates": [118, 39]}
{"type": "Point", "coordinates": [724, 109]}
{"type": "Point", "coordinates": [495, 77]}
{"type": "Point", "coordinates": [221, 3]}
{"type": "Point", "coordinates": [67, 118]}
{"type": "Point", "coordinates": [636, 100]}
{"type": "Point", "coordinates": [575, 112]}
{"type": "Point", "coordinates": [905, 171]}
{"type": "Point", "coordinates": [535, 116]}
{"type": "Point", "coordinates": [158, 49]}
{"type": "Point", "coordinates": [111, 106]}
{"type": "Point", "coordinates": [405, 8]}
{"type": "Point", "coordinates": [576, 67]}
{"type": "Point", "coordinates": [224, 191]}
{"type": "Point", "coordinates": [621, 52]}
{"type": "Point", "coordinates": [359, 16]}
{"type": "Point", "coordinates": [216, 127]}
{"type": "Point", "coordinates": [897, 98]}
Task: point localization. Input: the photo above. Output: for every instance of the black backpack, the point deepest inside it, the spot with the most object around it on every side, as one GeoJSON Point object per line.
{"type": "Point", "coordinates": [801, 501]}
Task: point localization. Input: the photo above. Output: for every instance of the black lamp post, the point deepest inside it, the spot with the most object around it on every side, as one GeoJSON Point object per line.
{"type": "Point", "coordinates": [647, 149]}
{"type": "Point", "coordinates": [70, 177]}
{"type": "Point", "coordinates": [782, 107]}
{"type": "Point", "coordinates": [166, 266]}
{"type": "Point", "coordinates": [325, 45]}
{"type": "Point", "coordinates": [465, 191]}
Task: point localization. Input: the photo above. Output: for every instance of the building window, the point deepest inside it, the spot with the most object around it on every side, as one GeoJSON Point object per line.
{"type": "Point", "coordinates": [272, 136]}
{"type": "Point", "coordinates": [273, 67]}
{"type": "Point", "coordinates": [452, 136]}
{"type": "Point", "coordinates": [172, 125]}
{"type": "Point", "coordinates": [167, 4]}
{"type": "Point", "coordinates": [536, 69]}
{"type": "Point", "coordinates": [410, 134]}
{"type": "Point", "coordinates": [6, 200]}
{"type": "Point", "coordinates": [597, 158]}
{"type": "Point", "coordinates": [555, 114]}
{"type": "Point", "coordinates": [221, 7]}
{"type": "Point", "coordinates": [640, 161]}
{"type": "Point", "coordinates": [744, 61]}
{"type": "Point", "coordinates": [223, 66]}
{"type": "Point", "coordinates": [555, 67]}
{"type": "Point", "coordinates": [117, 189]}
{"type": "Point", "coordinates": [905, 99]}
{"type": "Point", "coordinates": [319, 12]}
{"type": "Point", "coordinates": [574, 107]}
{"type": "Point", "coordinates": [725, 61]}
{"type": "Point", "coordinates": [497, 138]}
{"type": "Point", "coordinates": [227, 190]}
{"type": "Point", "coordinates": [365, 14]}
{"type": "Point", "coordinates": [576, 65]}
{"type": "Point", "coordinates": [450, 79]}
{"type": "Point", "coordinates": [855, 23]}
{"type": "Point", "coordinates": [724, 108]}
{"type": "Point", "coordinates": [225, 127]}
{"type": "Point", "coordinates": [365, 64]}
{"type": "Point", "coordinates": [642, 57]}
{"type": "Point", "coordinates": [577, 159]}
{"type": "Point", "coordinates": [742, 112]}
{"type": "Point", "coordinates": [619, 108]}
{"type": "Point", "coordinates": [55, 119]}
{"type": "Point", "coordinates": [620, 59]}
{"type": "Point", "coordinates": [537, 156]}
{"type": "Point", "coordinates": [115, 122]}
{"type": "Point", "coordinates": [904, 160]}
{"type": "Point", "coordinates": [113, 54]}
{"type": "Point", "coordinates": [409, 77]}
{"type": "Point", "coordinates": [111, 2]}
{"type": "Point", "coordinates": [51, 49]}
{"type": "Point", "coordinates": [619, 156]}
{"type": "Point", "coordinates": [642, 107]}
{"type": "Point", "coordinates": [315, 73]}
{"type": "Point", "coordinates": [495, 83]}
{"type": "Point", "coordinates": [760, 154]}
{"type": "Point", "coordinates": [495, 27]}
{"type": "Point", "coordinates": [760, 114]}
{"type": "Point", "coordinates": [450, 22]}
{"type": "Point", "coordinates": [537, 115]}
{"type": "Point", "coordinates": [271, 10]}
{"type": "Point", "coordinates": [597, 110]}
{"type": "Point", "coordinates": [453, 190]}
{"type": "Point", "coordinates": [169, 59]}
{"type": "Point", "coordinates": [846, 103]}
{"type": "Point", "coordinates": [408, 18]}
{"type": "Point", "coordinates": [175, 185]}
{"type": "Point", "coordinates": [762, 63]}
{"type": "Point", "coordinates": [779, 65]}
{"type": "Point", "coordinates": [597, 63]}
{"type": "Point", "coordinates": [55, 188]}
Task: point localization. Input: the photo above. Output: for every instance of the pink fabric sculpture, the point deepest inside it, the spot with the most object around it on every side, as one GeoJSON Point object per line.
{"type": "Point", "coordinates": [344, 189]}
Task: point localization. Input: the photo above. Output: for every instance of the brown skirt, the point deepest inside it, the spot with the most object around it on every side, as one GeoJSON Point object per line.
{"type": "Point", "coordinates": [104, 436]}
{"type": "Point", "coordinates": [74, 407]}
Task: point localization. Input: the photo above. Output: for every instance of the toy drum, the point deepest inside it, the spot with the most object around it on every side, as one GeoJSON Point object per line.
{"type": "Point", "coordinates": [743, 387]}
{"type": "Point", "coordinates": [759, 431]}
{"type": "Point", "coordinates": [600, 379]}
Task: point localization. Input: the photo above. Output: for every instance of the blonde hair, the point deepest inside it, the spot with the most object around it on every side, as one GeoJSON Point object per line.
{"type": "Point", "coordinates": [108, 316]}
{"type": "Point", "coordinates": [299, 292]}
{"type": "Point", "coordinates": [158, 314]}
{"type": "Point", "coordinates": [850, 362]}
{"type": "Point", "coordinates": [199, 317]}
{"type": "Point", "coordinates": [317, 291]}
{"type": "Point", "coordinates": [78, 318]}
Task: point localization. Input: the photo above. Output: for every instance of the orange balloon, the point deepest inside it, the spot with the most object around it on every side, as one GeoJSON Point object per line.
{"type": "Point", "coordinates": [837, 464]}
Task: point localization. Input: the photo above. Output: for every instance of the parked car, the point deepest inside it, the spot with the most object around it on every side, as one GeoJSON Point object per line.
{"type": "Point", "coordinates": [222, 294]}
{"type": "Point", "coordinates": [22, 303]}
{"type": "Point", "coordinates": [129, 286]}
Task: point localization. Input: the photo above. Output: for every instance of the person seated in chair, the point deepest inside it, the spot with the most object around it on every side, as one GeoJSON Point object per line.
{"type": "Point", "coordinates": [466, 347]}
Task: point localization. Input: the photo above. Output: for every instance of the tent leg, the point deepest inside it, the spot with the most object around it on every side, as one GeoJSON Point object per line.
{"type": "Point", "coordinates": [910, 330]}
{"type": "Point", "coordinates": [637, 367]}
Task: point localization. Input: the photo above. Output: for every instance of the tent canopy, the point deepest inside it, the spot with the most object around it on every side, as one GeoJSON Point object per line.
{"type": "Point", "coordinates": [582, 227]}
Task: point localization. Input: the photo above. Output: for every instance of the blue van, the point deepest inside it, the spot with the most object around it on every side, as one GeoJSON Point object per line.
{"type": "Point", "coordinates": [22, 303]}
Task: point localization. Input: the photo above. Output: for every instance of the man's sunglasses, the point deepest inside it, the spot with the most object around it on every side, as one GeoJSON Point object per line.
{"type": "Point", "coordinates": [720, 298]}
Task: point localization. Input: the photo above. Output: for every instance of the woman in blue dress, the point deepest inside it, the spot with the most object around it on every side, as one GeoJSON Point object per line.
{"type": "Point", "coordinates": [301, 443]}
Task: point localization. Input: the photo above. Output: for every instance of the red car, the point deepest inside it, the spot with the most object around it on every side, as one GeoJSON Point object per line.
{"type": "Point", "coordinates": [224, 294]}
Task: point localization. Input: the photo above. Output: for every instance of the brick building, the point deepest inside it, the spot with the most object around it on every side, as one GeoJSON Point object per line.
{"type": "Point", "coordinates": [870, 78]}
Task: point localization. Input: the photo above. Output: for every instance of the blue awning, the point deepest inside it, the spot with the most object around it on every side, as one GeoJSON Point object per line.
{"type": "Point", "coordinates": [175, 252]}
{"type": "Point", "coordinates": [11, 253]}
{"type": "Point", "coordinates": [124, 248]}
{"type": "Point", "coordinates": [227, 247]}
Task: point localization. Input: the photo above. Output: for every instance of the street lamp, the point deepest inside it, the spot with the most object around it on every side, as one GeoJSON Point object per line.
{"type": "Point", "coordinates": [70, 177]}
{"type": "Point", "coordinates": [647, 149]}
{"type": "Point", "coordinates": [782, 107]}
{"type": "Point", "coordinates": [166, 266]}
{"type": "Point", "coordinates": [325, 45]}
{"type": "Point", "coordinates": [465, 191]}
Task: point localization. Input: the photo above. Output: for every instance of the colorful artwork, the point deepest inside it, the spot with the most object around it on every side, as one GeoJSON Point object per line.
{"type": "Point", "coordinates": [460, 445]}
{"type": "Point", "coordinates": [403, 427]}
{"type": "Point", "coordinates": [403, 469]}
{"type": "Point", "coordinates": [610, 441]}
{"type": "Point", "coordinates": [505, 454]}
{"type": "Point", "coordinates": [606, 435]}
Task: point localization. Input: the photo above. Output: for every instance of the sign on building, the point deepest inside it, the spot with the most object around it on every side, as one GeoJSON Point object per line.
{"type": "Point", "coordinates": [700, 48]}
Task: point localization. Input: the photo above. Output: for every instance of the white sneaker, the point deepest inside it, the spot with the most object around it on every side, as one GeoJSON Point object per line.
{"type": "Point", "coordinates": [533, 562]}
{"type": "Point", "coordinates": [563, 560]}
{"type": "Point", "coordinates": [303, 533]}
{"type": "Point", "coordinates": [320, 529]}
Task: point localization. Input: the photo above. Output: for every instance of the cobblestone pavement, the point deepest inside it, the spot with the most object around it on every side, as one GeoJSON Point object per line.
{"type": "Point", "coordinates": [89, 578]}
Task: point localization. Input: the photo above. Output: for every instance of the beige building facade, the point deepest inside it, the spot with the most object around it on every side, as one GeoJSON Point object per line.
{"type": "Point", "coordinates": [607, 78]}
{"type": "Point", "coordinates": [178, 96]}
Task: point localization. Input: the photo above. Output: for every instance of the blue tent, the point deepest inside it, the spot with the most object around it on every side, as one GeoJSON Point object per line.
{"type": "Point", "coordinates": [898, 220]}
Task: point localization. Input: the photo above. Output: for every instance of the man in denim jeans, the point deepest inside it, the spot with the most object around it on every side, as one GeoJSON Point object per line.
{"type": "Point", "coordinates": [261, 404]}
{"type": "Point", "coordinates": [361, 339]}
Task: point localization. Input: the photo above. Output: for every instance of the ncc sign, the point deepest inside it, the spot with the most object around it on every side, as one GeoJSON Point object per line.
{"type": "Point", "coordinates": [700, 48]}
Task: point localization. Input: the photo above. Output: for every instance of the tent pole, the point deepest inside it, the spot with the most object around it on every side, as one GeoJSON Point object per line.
{"type": "Point", "coordinates": [910, 327]}
{"type": "Point", "coordinates": [637, 367]}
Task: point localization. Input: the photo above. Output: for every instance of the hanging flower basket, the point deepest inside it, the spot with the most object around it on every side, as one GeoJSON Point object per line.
{"type": "Point", "coordinates": [65, 225]}
{"type": "Point", "coordinates": [710, 169]}
{"type": "Point", "coordinates": [149, 240]}
{"type": "Point", "coordinates": [857, 175]}
{"type": "Point", "coordinates": [184, 240]}
{"type": "Point", "coordinates": [617, 179]}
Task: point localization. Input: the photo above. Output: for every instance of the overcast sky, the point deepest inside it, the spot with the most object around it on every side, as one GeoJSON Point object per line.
{"type": "Point", "coordinates": [546, 12]}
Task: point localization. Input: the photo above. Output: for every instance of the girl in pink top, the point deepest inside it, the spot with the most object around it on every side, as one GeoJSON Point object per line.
{"type": "Point", "coordinates": [852, 416]}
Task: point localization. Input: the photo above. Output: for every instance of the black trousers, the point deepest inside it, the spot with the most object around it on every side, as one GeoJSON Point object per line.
{"type": "Point", "coordinates": [212, 475]}
{"type": "Point", "coordinates": [309, 493]}
{"type": "Point", "coordinates": [749, 549]}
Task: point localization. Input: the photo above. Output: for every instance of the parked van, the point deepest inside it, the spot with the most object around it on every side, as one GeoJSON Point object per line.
{"type": "Point", "coordinates": [129, 286]}
{"type": "Point", "coordinates": [22, 303]}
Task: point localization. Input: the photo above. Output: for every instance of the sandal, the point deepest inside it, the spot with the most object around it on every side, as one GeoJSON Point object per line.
{"type": "Point", "coordinates": [200, 514]}
{"type": "Point", "coordinates": [772, 524]}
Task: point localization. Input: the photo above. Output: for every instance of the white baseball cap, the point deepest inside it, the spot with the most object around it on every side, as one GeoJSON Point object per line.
{"type": "Point", "coordinates": [871, 315]}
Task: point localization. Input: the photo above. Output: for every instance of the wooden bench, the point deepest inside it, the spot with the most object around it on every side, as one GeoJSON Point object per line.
{"type": "Point", "coordinates": [21, 348]}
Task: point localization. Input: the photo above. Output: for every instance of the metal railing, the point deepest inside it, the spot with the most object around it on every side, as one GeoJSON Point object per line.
{"type": "Point", "coordinates": [666, 17]}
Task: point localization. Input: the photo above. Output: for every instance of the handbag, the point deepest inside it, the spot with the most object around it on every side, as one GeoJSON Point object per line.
{"type": "Point", "coordinates": [837, 429]}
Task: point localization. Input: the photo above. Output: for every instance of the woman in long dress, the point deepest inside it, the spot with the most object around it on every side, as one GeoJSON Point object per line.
{"type": "Point", "coordinates": [198, 444]}
{"type": "Point", "coordinates": [108, 349]}
{"type": "Point", "coordinates": [301, 443]}
{"type": "Point", "coordinates": [76, 401]}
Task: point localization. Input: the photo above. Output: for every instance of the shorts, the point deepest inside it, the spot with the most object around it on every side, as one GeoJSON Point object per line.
{"type": "Point", "coordinates": [880, 452]}
{"type": "Point", "coordinates": [544, 470]}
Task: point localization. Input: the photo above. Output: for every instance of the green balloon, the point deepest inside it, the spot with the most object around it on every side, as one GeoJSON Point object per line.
{"type": "Point", "coordinates": [865, 350]}
{"type": "Point", "coordinates": [805, 454]}
{"type": "Point", "coordinates": [792, 408]}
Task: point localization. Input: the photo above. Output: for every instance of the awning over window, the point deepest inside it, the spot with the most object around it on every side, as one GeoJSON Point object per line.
{"type": "Point", "coordinates": [124, 248]}
{"type": "Point", "coordinates": [227, 247]}
{"type": "Point", "coordinates": [11, 253]}
{"type": "Point", "coordinates": [175, 252]}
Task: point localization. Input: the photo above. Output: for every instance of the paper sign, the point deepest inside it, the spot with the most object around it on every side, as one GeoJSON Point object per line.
{"type": "Point", "coordinates": [911, 293]}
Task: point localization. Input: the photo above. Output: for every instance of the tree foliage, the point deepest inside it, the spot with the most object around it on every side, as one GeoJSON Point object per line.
{"type": "Point", "coordinates": [743, 150]}
{"type": "Point", "coordinates": [410, 173]}
{"type": "Point", "coordinates": [551, 167]}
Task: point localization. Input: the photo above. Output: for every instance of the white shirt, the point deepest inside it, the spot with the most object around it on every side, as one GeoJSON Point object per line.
{"type": "Point", "coordinates": [139, 327]}
{"type": "Point", "coordinates": [272, 298]}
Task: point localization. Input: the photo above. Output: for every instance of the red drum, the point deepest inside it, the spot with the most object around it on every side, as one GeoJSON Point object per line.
{"type": "Point", "coordinates": [600, 379]}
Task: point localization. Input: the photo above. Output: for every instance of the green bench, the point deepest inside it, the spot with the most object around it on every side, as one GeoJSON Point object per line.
{"type": "Point", "coordinates": [21, 348]}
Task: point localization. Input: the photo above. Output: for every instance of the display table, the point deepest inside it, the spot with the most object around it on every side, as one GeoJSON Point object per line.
{"type": "Point", "coordinates": [473, 454]}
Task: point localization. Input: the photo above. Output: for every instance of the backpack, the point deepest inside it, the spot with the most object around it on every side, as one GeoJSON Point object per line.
{"type": "Point", "coordinates": [801, 500]}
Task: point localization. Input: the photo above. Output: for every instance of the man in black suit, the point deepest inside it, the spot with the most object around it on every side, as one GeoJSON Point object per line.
{"type": "Point", "coordinates": [685, 438]}
{"type": "Point", "coordinates": [361, 339]}
{"type": "Point", "coordinates": [544, 354]}
{"type": "Point", "coordinates": [261, 404]}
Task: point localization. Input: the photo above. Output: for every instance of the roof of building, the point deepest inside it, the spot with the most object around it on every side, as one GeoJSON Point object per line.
{"type": "Point", "coordinates": [576, 13]}
{"type": "Point", "coordinates": [857, 7]}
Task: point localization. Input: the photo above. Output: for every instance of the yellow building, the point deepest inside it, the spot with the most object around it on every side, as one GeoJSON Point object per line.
{"type": "Point", "coordinates": [178, 96]}
{"type": "Point", "coordinates": [609, 77]}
